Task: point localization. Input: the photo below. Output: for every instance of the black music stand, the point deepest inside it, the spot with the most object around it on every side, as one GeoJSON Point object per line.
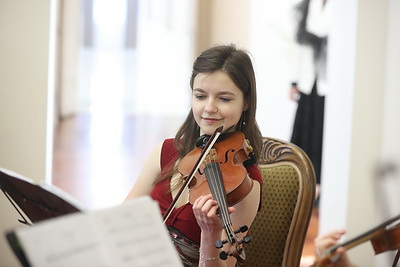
{"type": "Point", "coordinates": [38, 202]}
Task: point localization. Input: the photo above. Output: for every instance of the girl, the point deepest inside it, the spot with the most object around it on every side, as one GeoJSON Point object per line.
{"type": "Point", "coordinates": [223, 94]}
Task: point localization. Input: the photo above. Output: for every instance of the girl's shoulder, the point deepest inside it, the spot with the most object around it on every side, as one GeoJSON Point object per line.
{"type": "Point", "coordinates": [168, 152]}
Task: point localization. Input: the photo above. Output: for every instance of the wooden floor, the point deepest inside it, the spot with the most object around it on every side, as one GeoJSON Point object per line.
{"type": "Point", "coordinates": [97, 159]}
{"type": "Point", "coordinates": [309, 248]}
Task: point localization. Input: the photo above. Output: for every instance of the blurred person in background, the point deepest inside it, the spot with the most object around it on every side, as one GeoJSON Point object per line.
{"type": "Point", "coordinates": [309, 81]}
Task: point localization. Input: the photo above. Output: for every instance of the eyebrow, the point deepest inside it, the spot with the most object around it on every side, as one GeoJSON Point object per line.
{"type": "Point", "coordinates": [219, 93]}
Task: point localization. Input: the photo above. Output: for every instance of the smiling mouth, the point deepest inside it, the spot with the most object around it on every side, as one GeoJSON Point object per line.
{"type": "Point", "coordinates": [211, 120]}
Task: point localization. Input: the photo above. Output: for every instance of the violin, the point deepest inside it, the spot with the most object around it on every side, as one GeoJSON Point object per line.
{"type": "Point", "coordinates": [225, 159]}
{"type": "Point", "coordinates": [206, 149]}
{"type": "Point", "coordinates": [383, 237]}
{"type": "Point", "coordinates": [219, 170]}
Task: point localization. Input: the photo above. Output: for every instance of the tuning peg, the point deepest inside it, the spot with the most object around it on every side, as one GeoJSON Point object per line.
{"type": "Point", "coordinates": [223, 255]}
{"type": "Point", "coordinates": [242, 229]}
{"type": "Point", "coordinates": [245, 239]}
{"type": "Point", "coordinates": [220, 243]}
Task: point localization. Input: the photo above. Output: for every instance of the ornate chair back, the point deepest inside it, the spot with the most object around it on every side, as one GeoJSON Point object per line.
{"type": "Point", "coordinates": [280, 227]}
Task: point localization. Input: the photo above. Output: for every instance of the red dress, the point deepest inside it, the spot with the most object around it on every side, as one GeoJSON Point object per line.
{"type": "Point", "coordinates": [182, 218]}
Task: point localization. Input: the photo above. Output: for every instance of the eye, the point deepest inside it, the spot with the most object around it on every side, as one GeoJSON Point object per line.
{"type": "Point", "coordinates": [199, 96]}
{"type": "Point", "coordinates": [225, 99]}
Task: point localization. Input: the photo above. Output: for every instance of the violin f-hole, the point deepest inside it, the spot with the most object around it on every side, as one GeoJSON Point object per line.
{"type": "Point", "coordinates": [227, 155]}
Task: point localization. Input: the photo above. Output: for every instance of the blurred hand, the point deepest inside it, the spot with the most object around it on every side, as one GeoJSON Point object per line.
{"type": "Point", "coordinates": [325, 241]}
{"type": "Point", "coordinates": [294, 93]}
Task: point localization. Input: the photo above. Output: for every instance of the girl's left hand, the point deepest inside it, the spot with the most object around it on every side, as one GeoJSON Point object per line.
{"type": "Point", "coordinates": [205, 209]}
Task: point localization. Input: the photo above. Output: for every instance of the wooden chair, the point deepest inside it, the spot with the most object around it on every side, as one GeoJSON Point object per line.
{"type": "Point", "coordinates": [280, 227]}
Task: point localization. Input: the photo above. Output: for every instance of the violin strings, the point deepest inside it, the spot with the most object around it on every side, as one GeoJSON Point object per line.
{"type": "Point", "coordinates": [227, 223]}
{"type": "Point", "coordinates": [220, 191]}
{"type": "Point", "coordinates": [214, 179]}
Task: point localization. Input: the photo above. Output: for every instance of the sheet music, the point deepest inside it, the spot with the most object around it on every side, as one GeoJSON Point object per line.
{"type": "Point", "coordinates": [131, 234]}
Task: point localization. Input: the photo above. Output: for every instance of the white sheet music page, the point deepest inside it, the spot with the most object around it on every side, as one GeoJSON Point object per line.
{"type": "Point", "coordinates": [131, 234]}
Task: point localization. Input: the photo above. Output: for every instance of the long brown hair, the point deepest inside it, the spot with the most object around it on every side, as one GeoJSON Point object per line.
{"type": "Point", "coordinates": [237, 64]}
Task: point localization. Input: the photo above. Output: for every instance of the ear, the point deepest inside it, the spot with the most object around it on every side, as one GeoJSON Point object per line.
{"type": "Point", "coordinates": [245, 105]}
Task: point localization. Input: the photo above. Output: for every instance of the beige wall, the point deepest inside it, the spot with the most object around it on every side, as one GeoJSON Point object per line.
{"type": "Point", "coordinates": [24, 99]}
{"type": "Point", "coordinates": [70, 29]}
{"type": "Point", "coordinates": [223, 21]}
{"type": "Point", "coordinates": [24, 94]}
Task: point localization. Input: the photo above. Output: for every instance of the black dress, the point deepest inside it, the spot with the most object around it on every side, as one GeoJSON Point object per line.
{"type": "Point", "coordinates": [308, 127]}
{"type": "Point", "coordinates": [309, 119]}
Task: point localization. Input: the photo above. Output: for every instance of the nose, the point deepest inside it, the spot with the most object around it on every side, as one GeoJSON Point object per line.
{"type": "Point", "coordinates": [211, 106]}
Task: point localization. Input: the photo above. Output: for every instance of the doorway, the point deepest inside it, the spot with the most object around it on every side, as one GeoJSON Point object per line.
{"type": "Point", "coordinates": [125, 97]}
